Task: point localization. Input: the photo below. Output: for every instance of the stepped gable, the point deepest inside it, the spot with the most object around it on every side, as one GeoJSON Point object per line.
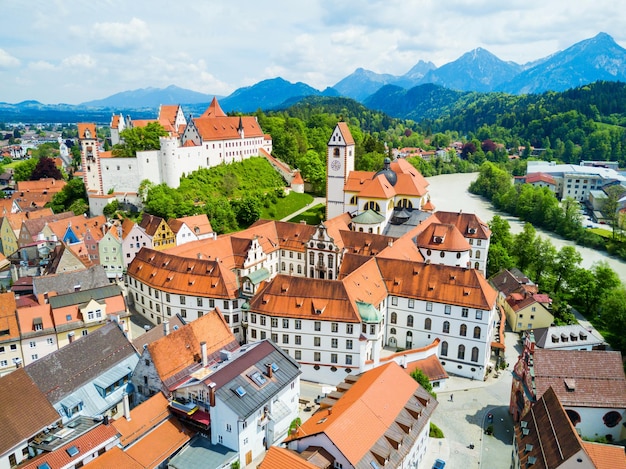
{"type": "Point", "coordinates": [305, 298]}
{"type": "Point", "coordinates": [442, 237]}
{"type": "Point", "coordinates": [437, 283]}
{"type": "Point", "coordinates": [183, 275]}
{"type": "Point", "coordinates": [180, 349]}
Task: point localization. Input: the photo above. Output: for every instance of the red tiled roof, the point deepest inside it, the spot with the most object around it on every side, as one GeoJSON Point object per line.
{"type": "Point", "coordinates": [8, 318]}
{"type": "Point", "coordinates": [114, 458]}
{"type": "Point", "coordinates": [283, 458]}
{"type": "Point", "coordinates": [159, 444]}
{"type": "Point", "coordinates": [606, 456]}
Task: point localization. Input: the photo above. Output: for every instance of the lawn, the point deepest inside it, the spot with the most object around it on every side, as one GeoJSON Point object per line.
{"type": "Point", "coordinates": [312, 216]}
{"type": "Point", "coordinates": [286, 205]}
{"type": "Point", "coordinates": [601, 232]}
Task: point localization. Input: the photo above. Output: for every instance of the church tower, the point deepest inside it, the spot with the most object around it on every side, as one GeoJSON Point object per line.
{"type": "Point", "coordinates": [90, 157]}
{"type": "Point", "coordinates": [339, 164]}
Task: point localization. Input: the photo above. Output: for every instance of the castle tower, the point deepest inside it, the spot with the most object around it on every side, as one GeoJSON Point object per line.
{"type": "Point", "coordinates": [90, 157]}
{"type": "Point", "coordinates": [339, 164]}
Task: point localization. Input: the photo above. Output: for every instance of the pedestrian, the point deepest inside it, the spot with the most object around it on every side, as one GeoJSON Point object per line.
{"type": "Point", "coordinates": [451, 397]}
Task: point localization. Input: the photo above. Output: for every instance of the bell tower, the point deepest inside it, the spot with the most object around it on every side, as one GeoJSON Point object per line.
{"type": "Point", "coordinates": [339, 164]}
{"type": "Point", "coordinates": [90, 157]}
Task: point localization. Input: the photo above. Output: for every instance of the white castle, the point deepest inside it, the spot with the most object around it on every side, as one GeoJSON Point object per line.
{"type": "Point", "coordinates": [203, 142]}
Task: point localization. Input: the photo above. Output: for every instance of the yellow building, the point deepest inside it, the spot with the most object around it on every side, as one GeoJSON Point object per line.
{"type": "Point", "coordinates": [525, 311]}
{"type": "Point", "coordinates": [159, 231]}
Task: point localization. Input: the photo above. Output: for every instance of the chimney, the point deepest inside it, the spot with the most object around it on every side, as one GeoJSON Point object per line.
{"type": "Point", "coordinates": [205, 358]}
{"type": "Point", "coordinates": [268, 367]}
{"type": "Point", "coordinates": [70, 336]}
{"type": "Point", "coordinates": [212, 394]}
{"type": "Point", "coordinates": [166, 327]}
{"type": "Point", "coordinates": [126, 407]}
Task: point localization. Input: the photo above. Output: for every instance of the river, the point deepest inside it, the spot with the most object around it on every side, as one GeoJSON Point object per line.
{"type": "Point", "coordinates": [449, 193]}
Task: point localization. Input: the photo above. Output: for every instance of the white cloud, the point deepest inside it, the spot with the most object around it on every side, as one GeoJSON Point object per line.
{"type": "Point", "coordinates": [79, 60]}
{"type": "Point", "coordinates": [7, 60]}
{"type": "Point", "coordinates": [41, 65]}
{"type": "Point", "coordinates": [121, 36]}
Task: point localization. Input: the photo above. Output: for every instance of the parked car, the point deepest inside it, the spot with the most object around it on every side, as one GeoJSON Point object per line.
{"type": "Point", "coordinates": [439, 464]}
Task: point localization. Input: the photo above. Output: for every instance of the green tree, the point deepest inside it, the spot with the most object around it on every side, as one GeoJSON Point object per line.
{"type": "Point", "coordinates": [419, 376]}
{"type": "Point", "coordinates": [24, 170]}
{"type": "Point", "coordinates": [565, 266]}
{"type": "Point", "coordinates": [613, 316]}
{"type": "Point", "coordinates": [313, 170]}
{"type": "Point", "coordinates": [524, 248]}
{"type": "Point", "coordinates": [139, 139]}
{"type": "Point", "coordinates": [247, 209]}
{"type": "Point", "coordinates": [110, 208]}
{"type": "Point", "coordinates": [71, 193]}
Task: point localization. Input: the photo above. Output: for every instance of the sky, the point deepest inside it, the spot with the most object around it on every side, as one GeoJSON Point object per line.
{"type": "Point", "coordinates": [72, 51]}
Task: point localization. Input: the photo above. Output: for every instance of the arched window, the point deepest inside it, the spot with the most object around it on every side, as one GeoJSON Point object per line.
{"type": "Point", "coordinates": [446, 327]}
{"type": "Point", "coordinates": [427, 324]}
{"type": "Point", "coordinates": [354, 200]}
{"type": "Point", "coordinates": [404, 203]}
{"type": "Point", "coordinates": [463, 330]}
{"type": "Point", "coordinates": [444, 349]}
{"type": "Point", "coordinates": [461, 353]}
{"type": "Point", "coordinates": [282, 266]}
{"type": "Point", "coordinates": [477, 332]}
{"type": "Point", "coordinates": [392, 331]}
{"type": "Point", "coordinates": [394, 318]}
{"type": "Point", "coordinates": [477, 265]}
{"type": "Point", "coordinates": [474, 354]}
{"type": "Point", "coordinates": [336, 152]}
{"type": "Point", "coordinates": [573, 416]}
{"type": "Point", "coordinates": [409, 339]}
{"type": "Point", "coordinates": [409, 320]}
{"type": "Point", "coordinates": [477, 254]}
{"type": "Point", "coordinates": [611, 418]}
{"type": "Point", "coordinates": [371, 205]}
{"type": "Point", "coordinates": [330, 261]}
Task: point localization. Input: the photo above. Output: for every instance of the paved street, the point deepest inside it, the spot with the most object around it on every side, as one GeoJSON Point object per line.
{"type": "Point", "coordinates": [464, 419]}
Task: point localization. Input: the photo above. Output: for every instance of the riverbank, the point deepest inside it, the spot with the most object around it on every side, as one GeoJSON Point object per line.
{"type": "Point", "coordinates": [449, 192]}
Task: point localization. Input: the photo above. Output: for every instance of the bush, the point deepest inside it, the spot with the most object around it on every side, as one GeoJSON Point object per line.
{"type": "Point", "coordinates": [435, 431]}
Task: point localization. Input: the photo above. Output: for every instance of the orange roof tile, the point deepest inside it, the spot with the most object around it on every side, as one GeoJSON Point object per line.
{"type": "Point", "coordinates": [283, 458]}
{"type": "Point", "coordinates": [214, 109]}
{"type": "Point", "coordinates": [143, 419]}
{"type": "Point", "coordinates": [437, 283]}
{"type": "Point", "coordinates": [9, 329]}
{"type": "Point", "coordinates": [467, 223]}
{"type": "Point", "coordinates": [27, 316]}
{"type": "Point", "coordinates": [301, 297]}
{"type": "Point", "coordinates": [605, 456]}
{"type": "Point", "coordinates": [114, 458]}
{"type": "Point", "coordinates": [159, 444]}
{"type": "Point", "coordinates": [369, 408]}
{"type": "Point", "coordinates": [345, 133]}
{"type": "Point", "coordinates": [430, 366]}
{"type": "Point", "coordinates": [442, 237]}
{"type": "Point", "coordinates": [181, 348]}
{"type": "Point", "coordinates": [82, 127]}
{"type": "Point", "coordinates": [226, 128]}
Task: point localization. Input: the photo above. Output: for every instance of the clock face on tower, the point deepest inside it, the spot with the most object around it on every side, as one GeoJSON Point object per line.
{"type": "Point", "coordinates": [335, 165]}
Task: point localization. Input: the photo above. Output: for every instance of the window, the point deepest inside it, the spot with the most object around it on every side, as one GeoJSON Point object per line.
{"type": "Point", "coordinates": [298, 324]}
{"type": "Point", "coordinates": [263, 319]}
{"type": "Point", "coordinates": [474, 354]}
{"type": "Point", "coordinates": [229, 428]}
{"type": "Point", "coordinates": [199, 302]}
{"type": "Point", "coordinates": [263, 335]}
{"type": "Point", "coordinates": [32, 344]}
{"type": "Point", "coordinates": [461, 353]}
{"type": "Point", "coordinates": [333, 358]}
{"type": "Point", "coordinates": [285, 338]}
{"type": "Point", "coordinates": [446, 327]}
{"type": "Point", "coordinates": [2, 349]}
{"type": "Point", "coordinates": [394, 318]}
{"type": "Point", "coordinates": [334, 327]}
{"type": "Point", "coordinates": [464, 312]}
{"type": "Point", "coordinates": [274, 322]}
{"type": "Point", "coordinates": [50, 341]}
{"type": "Point", "coordinates": [275, 338]}
{"type": "Point", "coordinates": [34, 356]}
{"type": "Point", "coordinates": [298, 354]}
{"type": "Point", "coordinates": [348, 359]}
{"type": "Point", "coordinates": [317, 326]}
{"type": "Point", "coordinates": [429, 306]}
{"type": "Point", "coordinates": [285, 323]}
{"type": "Point", "coordinates": [211, 303]}
{"type": "Point", "coordinates": [4, 363]}
{"type": "Point", "coordinates": [427, 324]}
{"type": "Point", "coordinates": [182, 300]}
{"type": "Point", "coordinates": [317, 357]}
{"type": "Point", "coordinates": [409, 320]}
{"type": "Point", "coordinates": [447, 309]}
{"type": "Point", "coordinates": [317, 341]}
{"type": "Point", "coordinates": [253, 318]}
{"type": "Point", "coordinates": [477, 332]}
{"type": "Point", "coordinates": [183, 313]}
{"type": "Point", "coordinates": [479, 314]}
{"type": "Point", "coordinates": [253, 333]}
{"type": "Point", "coordinates": [411, 303]}
{"type": "Point", "coordinates": [349, 344]}
{"type": "Point", "coordinates": [394, 300]}
{"type": "Point", "coordinates": [463, 330]}
{"type": "Point", "coordinates": [167, 297]}
{"type": "Point", "coordinates": [298, 340]}
{"type": "Point", "coordinates": [349, 328]}
{"type": "Point", "coordinates": [334, 343]}
{"type": "Point", "coordinates": [372, 329]}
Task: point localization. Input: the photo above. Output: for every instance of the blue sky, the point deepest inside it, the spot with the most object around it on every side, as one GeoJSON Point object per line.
{"type": "Point", "coordinates": [73, 51]}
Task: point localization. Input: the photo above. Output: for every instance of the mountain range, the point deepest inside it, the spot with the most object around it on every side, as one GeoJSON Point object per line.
{"type": "Point", "coordinates": [597, 58]}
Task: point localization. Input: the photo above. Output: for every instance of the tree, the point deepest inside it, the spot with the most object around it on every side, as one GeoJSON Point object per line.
{"type": "Point", "coordinates": [613, 316]}
{"type": "Point", "coordinates": [69, 196]}
{"type": "Point", "coordinates": [139, 139]}
{"type": "Point", "coordinates": [525, 248]}
{"type": "Point", "coordinates": [24, 170]}
{"type": "Point", "coordinates": [419, 376]}
{"type": "Point", "coordinates": [110, 208]}
{"type": "Point", "coordinates": [46, 168]}
{"type": "Point", "coordinates": [566, 263]}
{"type": "Point", "coordinates": [313, 170]}
{"type": "Point", "coordinates": [247, 209]}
